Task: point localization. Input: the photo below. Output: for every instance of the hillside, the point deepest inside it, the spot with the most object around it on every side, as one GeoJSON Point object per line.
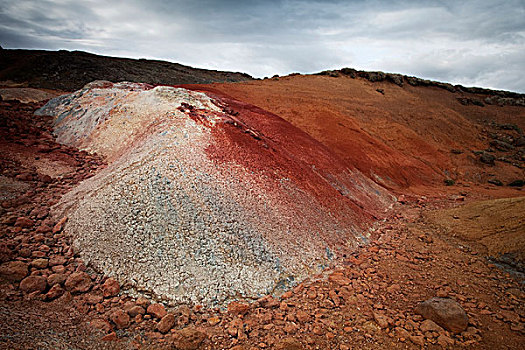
{"type": "Point", "coordinates": [403, 136]}
{"type": "Point", "coordinates": [303, 212]}
{"type": "Point", "coordinates": [71, 70]}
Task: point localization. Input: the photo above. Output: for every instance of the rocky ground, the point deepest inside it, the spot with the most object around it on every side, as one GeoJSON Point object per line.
{"type": "Point", "coordinates": [49, 299]}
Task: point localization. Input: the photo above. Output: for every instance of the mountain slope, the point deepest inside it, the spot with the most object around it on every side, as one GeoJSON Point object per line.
{"type": "Point", "coordinates": [71, 70]}
{"type": "Point", "coordinates": [403, 137]}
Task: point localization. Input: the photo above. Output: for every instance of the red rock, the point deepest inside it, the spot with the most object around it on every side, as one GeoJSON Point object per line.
{"type": "Point", "coordinates": [40, 213]}
{"type": "Point", "coordinates": [288, 344]}
{"type": "Point", "coordinates": [33, 284]}
{"type": "Point", "coordinates": [238, 308]}
{"type": "Point", "coordinates": [445, 312]}
{"type": "Point", "coordinates": [110, 288]}
{"type": "Point", "coordinates": [136, 310]}
{"type": "Point", "coordinates": [57, 260]}
{"type": "Point", "coordinates": [60, 225]}
{"type": "Point", "coordinates": [141, 301]}
{"type": "Point", "coordinates": [102, 324]}
{"type": "Point", "coordinates": [188, 338]}
{"type": "Point", "coordinates": [93, 299]}
{"type": "Point", "coordinates": [14, 271]}
{"type": "Point", "coordinates": [120, 319]}
{"type": "Point", "coordinates": [110, 337]}
{"type": "Point", "coordinates": [214, 320]}
{"type": "Point", "coordinates": [157, 310]}
{"type": "Point", "coordinates": [40, 263]}
{"type": "Point", "coordinates": [430, 326]}
{"type": "Point", "coordinates": [339, 279]}
{"type": "Point", "coordinates": [382, 320]}
{"type": "Point", "coordinates": [43, 229]}
{"type": "Point", "coordinates": [78, 282]}
{"type": "Point", "coordinates": [55, 292]}
{"type": "Point", "coordinates": [166, 323]}
{"type": "Point", "coordinates": [445, 342]}
{"type": "Point", "coordinates": [302, 316]}
{"type": "Point", "coordinates": [56, 278]}
{"type": "Point", "coordinates": [417, 339]}
{"type": "Point", "coordinates": [24, 222]}
{"type": "Point", "coordinates": [58, 269]}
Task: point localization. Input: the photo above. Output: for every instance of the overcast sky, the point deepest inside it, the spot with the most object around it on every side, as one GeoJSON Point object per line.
{"type": "Point", "coordinates": [479, 43]}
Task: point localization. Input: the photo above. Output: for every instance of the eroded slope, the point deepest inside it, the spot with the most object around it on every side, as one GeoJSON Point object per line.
{"type": "Point", "coordinates": [206, 199]}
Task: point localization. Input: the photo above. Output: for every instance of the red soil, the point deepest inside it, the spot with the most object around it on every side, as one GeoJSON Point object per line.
{"type": "Point", "coordinates": [402, 139]}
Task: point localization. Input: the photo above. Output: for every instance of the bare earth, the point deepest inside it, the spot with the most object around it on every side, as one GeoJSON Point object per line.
{"type": "Point", "coordinates": [436, 242]}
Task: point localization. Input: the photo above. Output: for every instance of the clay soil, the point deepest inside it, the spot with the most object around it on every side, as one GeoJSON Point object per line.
{"type": "Point", "coordinates": [424, 249]}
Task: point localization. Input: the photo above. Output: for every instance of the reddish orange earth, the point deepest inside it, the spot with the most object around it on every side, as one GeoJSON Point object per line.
{"type": "Point", "coordinates": [409, 139]}
{"type": "Point", "coordinates": [403, 140]}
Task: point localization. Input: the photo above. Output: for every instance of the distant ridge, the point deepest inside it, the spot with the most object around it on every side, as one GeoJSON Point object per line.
{"type": "Point", "coordinates": [71, 70]}
{"type": "Point", "coordinates": [400, 80]}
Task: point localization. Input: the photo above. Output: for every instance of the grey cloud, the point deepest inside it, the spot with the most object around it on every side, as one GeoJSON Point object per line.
{"type": "Point", "coordinates": [468, 42]}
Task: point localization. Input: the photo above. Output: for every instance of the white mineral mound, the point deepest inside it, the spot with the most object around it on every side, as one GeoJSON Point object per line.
{"type": "Point", "coordinates": [168, 220]}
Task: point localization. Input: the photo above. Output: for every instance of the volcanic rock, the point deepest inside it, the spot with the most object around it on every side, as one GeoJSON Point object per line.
{"type": "Point", "coordinates": [445, 312]}
{"type": "Point", "coordinates": [40, 263]}
{"type": "Point", "coordinates": [24, 222]}
{"type": "Point", "coordinates": [157, 310]}
{"type": "Point", "coordinates": [120, 319]}
{"type": "Point", "coordinates": [33, 283]}
{"type": "Point", "coordinates": [246, 211]}
{"type": "Point", "coordinates": [166, 323]}
{"type": "Point", "coordinates": [188, 339]}
{"type": "Point", "coordinates": [78, 282]}
{"type": "Point", "coordinates": [110, 288]}
{"type": "Point", "coordinates": [14, 271]}
{"type": "Point", "coordinates": [54, 292]}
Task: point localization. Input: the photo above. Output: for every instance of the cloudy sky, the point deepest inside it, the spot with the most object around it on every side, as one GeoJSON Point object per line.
{"type": "Point", "coordinates": [479, 43]}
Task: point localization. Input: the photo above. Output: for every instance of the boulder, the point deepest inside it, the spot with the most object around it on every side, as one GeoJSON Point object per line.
{"type": "Point", "coordinates": [14, 271]}
{"type": "Point", "coordinates": [78, 282]}
{"type": "Point", "coordinates": [188, 339]}
{"type": "Point", "coordinates": [33, 283]}
{"type": "Point", "coordinates": [166, 323]}
{"type": "Point", "coordinates": [445, 312]}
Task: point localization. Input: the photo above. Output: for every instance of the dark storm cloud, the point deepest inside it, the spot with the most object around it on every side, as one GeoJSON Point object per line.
{"type": "Point", "coordinates": [468, 42]}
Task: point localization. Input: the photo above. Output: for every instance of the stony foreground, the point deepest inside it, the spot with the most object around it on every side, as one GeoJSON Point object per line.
{"type": "Point", "coordinates": [50, 299]}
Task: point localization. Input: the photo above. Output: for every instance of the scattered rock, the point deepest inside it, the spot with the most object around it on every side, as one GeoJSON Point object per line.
{"type": "Point", "coordinates": [110, 288]}
{"type": "Point", "coordinates": [110, 337]}
{"type": "Point", "coordinates": [445, 312]}
{"type": "Point", "coordinates": [60, 225]}
{"type": "Point", "coordinates": [166, 323]}
{"type": "Point", "coordinates": [14, 271]}
{"type": "Point", "coordinates": [430, 326]}
{"type": "Point", "coordinates": [33, 283]}
{"type": "Point", "coordinates": [136, 310]}
{"type": "Point", "coordinates": [78, 282]}
{"type": "Point", "coordinates": [157, 310]}
{"type": "Point", "coordinates": [288, 344]}
{"type": "Point", "coordinates": [56, 278]}
{"type": "Point", "coordinates": [24, 222]}
{"type": "Point", "coordinates": [120, 319]}
{"type": "Point", "coordinates": [188, 338]}
{"type": "Point", "coordinates": [102, 324]}
{"type": "Point", "coordinates": [238, 308]}
{"type": "Point", "coordinates": [382, 320]}
{"type": "Point", "coordinates": [487, 158]}
{"type": "Point", "coordinates": [40, 263]}
{"type": "Point", "coordinates": [55, 292]}
{"type": "Point", "coordinates": [444, 341]}
{"type": "Point", "coordinates": [517, 183]}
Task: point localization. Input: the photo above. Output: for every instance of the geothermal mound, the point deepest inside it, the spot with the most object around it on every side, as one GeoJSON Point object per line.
{"type": "Point", "coordinates": [206, 199]}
